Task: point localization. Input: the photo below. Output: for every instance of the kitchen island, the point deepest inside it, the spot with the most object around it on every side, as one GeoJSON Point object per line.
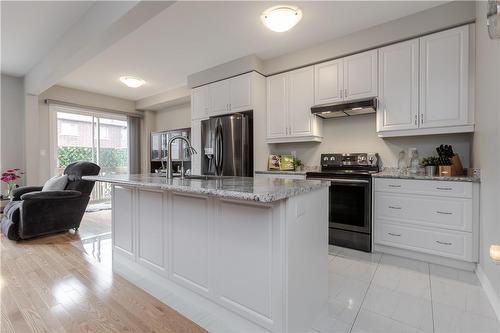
{"type": "Point", "coordinates": [255, 246]}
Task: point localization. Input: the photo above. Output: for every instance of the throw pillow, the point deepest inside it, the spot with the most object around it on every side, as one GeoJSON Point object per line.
{"type": "Point", "coordinates": [57, 183]}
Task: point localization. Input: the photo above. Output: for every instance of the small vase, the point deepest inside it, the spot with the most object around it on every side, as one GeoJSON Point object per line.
{"type": "Point", "coordinates": [430, 170]}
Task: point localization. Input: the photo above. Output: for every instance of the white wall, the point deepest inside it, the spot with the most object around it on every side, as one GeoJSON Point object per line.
{"type": "Point", "coordinates": [358, 134]}
{"type": "Point", "coordinates": [486, 145]}
{"type": "Point", "coordinates": [174, 117]}
{"type": "Point", "coordinates": [12, 125]}
{"type": "Point", "coordinates": [37, 125]}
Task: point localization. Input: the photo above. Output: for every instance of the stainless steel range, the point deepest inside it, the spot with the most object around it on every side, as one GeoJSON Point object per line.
{"type": "Point", "coordinates": [350, 202]}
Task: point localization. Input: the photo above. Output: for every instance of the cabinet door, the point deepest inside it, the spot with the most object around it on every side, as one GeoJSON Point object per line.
{"type": "Point", "coordinates": [301, 98]}
{"type": "Point", "coordinates": [360, 75]}
{"type": "Point", "coordinates": [444, 77]}
{"type": "Point", "coordinates": [196, 142]}
{"type": "Point", "coordinates": [219, 97]}
{"type": "Point", "coordinates": [241, 93]}
{"type": "Point", "coordinates": [155, 146]}
{"type": "Point", "coordinates": [329, 82]}
{"type": "Point", "coordinates": [199, 102]}
{"type": "Point", "coordinates": [277, 106]}
{"type": "Point", "coordinates": [398, 87]}
{"type": "Point", "coordinates": [151, 230]}
{"type": "Point", "coordinates": [123, 221]}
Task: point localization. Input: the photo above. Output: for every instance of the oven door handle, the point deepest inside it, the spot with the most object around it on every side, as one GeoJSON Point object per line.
{"type": "Point", "coordinates": [340, 180]}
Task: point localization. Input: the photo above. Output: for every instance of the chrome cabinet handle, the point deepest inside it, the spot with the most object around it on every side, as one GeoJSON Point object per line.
{"type": "Point", "coordinates": [394, 185]}
{"type": "Point", "coordinates": [394, 207]}
{"type": "Point", "coordinates": [421, 118]}
{"type": "Point", "coordinates": [395, 235]}
{"type": "Point", "coordinates": [444, 213]}
{"type": "Point", "coordinates": [443, 243]}
{"type": "Point", "coordinates": [416, 119]}
{"type": "Point", "coordinates": [444, 188]}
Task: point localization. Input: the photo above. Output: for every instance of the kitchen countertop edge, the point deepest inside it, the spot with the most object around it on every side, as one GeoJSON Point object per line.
{"type": "Point", "coordinates": [280, 193]}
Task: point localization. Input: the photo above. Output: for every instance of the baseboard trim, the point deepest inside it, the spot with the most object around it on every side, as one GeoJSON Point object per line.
{"type": "Point", "coordinates": [489, 290]}
{"type": "Point", "coordinates": [430, 258]}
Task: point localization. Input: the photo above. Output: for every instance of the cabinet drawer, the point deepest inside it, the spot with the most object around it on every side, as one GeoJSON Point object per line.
{"type": "Point", "coordinates": [452, 244]}
{"type": "Point", "coordinates": [441, 212]}
{"type": "Point", "coordinates": [429, 187]}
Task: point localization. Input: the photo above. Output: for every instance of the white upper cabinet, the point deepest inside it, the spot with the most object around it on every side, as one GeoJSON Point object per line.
{"type": "Point", "coordinates": [346, 79]}
{"type": "Point", "coordinates": [360, 75]}
{"type": "Point", "coordinates": [398, 87]}
{"type": "Point", "coordinates": [240, 92]}
{"type": "Point", "coordinates": [231, 95]}
{"type": "Point", "coordinates": [443, 102]}
{"type": "Point", "coordinates": [219, 97]}
{"type": "Point", "coordinates": [329, 82]}
{"type": "Point", "coordinates": [290, 96]}
{"type": "Point", "coordinates": [301, 98]}
{"type": "Point", "coordinates": [444, 78]}
{"type": "Point", "coordinates": [277, 106]}
{"type": "Point", "coordinates": [200, 103]}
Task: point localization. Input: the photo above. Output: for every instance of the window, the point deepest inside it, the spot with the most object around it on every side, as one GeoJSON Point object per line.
{"type": "Point", "coordinates": [69, 128]}
{"type": "Point", "coordinates": [83, 135]}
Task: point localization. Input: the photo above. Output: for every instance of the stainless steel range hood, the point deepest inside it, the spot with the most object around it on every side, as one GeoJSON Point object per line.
{"type": "Point", "coordinates": [345, 109]}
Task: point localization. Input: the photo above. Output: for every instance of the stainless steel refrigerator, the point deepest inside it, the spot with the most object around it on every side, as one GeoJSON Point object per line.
{"type": "Point", "coordinates": [227, 145]}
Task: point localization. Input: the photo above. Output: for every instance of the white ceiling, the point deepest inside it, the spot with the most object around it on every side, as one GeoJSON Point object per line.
{"type": "Point", "coordinates": [185, 38]}
{"type": "Point", "coordinates": [29, 29]}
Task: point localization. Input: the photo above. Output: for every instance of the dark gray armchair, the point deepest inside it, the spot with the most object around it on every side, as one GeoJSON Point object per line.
{"type": "Point", "coordinates": [32, 213]}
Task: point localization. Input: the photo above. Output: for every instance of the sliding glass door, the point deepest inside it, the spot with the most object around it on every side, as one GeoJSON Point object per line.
{"type": "Point", "coordinates": [102, 139]}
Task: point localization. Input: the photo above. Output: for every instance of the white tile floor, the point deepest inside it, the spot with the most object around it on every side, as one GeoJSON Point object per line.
{"type": "Point", "coordinates": [368, 292]}
{"type": "Point", "coordinates": [384, 293]}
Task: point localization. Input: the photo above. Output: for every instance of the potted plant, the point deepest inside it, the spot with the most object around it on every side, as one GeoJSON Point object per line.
{"type": "Point", "coordinates": [10, 176]}
{"type": "Point", "coordinates": [429, 164]}
{"type": "Point", "coordinates": [297, 164]}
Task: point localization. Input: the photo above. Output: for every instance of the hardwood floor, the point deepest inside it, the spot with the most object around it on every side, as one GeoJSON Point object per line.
{"type": "Point", "coordinates": [50, 285]}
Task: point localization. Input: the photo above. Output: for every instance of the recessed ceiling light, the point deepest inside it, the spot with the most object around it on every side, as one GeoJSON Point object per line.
{"type": "Point", "coordinates": [132, 82]}
{"type": "Point", "coordinates": [281, 18]}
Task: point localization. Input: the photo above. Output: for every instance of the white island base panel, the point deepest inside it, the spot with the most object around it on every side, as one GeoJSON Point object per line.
{"type": "Point", "coordinates": [266, 262]}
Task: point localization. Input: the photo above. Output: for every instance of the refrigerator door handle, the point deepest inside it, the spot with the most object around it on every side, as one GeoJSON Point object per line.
{"type": "Point", "coordinates": [221, 150]}
{"type": "Point", "coordinates": [216, 148]}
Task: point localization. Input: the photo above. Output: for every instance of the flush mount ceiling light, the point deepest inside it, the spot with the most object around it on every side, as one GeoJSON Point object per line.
{"type": "Point", "coordinates": [132, 82]}
{"type": "Point", "coordinates": [281, 18]}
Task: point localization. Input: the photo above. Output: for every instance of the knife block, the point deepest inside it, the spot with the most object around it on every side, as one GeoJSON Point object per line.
{"type": "Point", "coordinates": [455, 169]}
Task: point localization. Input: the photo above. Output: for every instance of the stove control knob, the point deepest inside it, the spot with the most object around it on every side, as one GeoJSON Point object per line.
{"type": "Point", "coordinates": [332, 158]}
{"type": "Point", "coordinates": [325, 158]}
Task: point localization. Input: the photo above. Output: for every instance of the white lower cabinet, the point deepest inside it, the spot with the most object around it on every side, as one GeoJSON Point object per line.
{"type": "Point", "coordinates": [151, 230]}
{"type": "Point", "coordinates": [251, 258]}
{"type": "Point", "coordinates": [433, 217]}
{"type": "Point", "coordinates": [189, 250]}
{"type": "Point", "coordinates": [123, 221]}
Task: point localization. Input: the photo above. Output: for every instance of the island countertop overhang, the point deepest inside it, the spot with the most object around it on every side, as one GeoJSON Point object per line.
{"type": "Point", "coordinates": [257, 189]}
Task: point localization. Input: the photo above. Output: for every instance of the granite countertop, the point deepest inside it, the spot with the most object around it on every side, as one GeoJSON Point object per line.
{"type": "Point", "coordinates": [306, 169]}
{"type": "Point", "coordinates": [281, 172]}
{"type": "Point", "coordinates": [395, 173]}
{"type": "Point", "coordinates": [260, 189]}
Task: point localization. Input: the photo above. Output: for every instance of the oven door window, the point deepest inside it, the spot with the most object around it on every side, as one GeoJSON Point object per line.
{"type": "Point", "coordinates": [349, 206]}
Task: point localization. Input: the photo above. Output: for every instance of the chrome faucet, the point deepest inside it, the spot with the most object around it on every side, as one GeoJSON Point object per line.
{"type": "Point", "coordinates": [190, 149]}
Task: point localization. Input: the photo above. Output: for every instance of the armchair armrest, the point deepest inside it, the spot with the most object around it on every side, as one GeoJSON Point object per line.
{"type": "Point", "coordinates": [18, 192]}
{"type": "Point", "coordinates": [51, 195]}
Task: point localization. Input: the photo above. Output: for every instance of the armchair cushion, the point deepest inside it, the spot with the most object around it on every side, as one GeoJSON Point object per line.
{"type": "Point", "coordinates": [18, 192]}
{"type": "Point", "coordinates": [51, 195]}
